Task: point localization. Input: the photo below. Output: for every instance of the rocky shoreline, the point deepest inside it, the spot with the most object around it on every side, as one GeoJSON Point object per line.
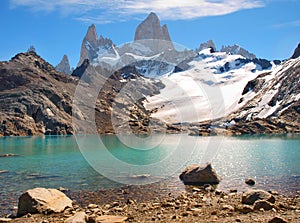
{"type": "Point", "coordinates": [198, 204]}
{"type": "Point", "coordinates": [198, 199]}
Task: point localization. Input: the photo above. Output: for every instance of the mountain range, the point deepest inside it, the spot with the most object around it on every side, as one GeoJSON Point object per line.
{"type": "Point", "coordinates": [150, 85]}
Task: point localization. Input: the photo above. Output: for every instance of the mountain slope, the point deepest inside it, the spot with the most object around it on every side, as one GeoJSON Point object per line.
{"type": "Point", "coordinates": [272, 100]}
{"type": "Point", "coordinates": [34, 98]}
{"type": "Point", "coordinates": [208, 89]}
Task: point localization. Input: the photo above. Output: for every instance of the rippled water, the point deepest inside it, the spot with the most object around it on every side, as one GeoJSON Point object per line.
{"type": "Point", "coordinates": [58, 161]}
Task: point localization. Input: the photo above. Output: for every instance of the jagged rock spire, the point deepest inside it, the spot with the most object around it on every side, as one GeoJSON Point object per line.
{"type": "Point", "coordinates": [92, 46]}
{"type": "Point", "coordinates": [64, 65]}
{"type": "Point", "coordinates": [151, 28]}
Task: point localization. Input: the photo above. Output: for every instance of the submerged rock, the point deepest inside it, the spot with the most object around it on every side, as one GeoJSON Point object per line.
{"type": "Point", "coordinates": [42, 200]}
{"type": "Point", "coordinates": [251, 196]}
{"type": "Point", "coordinates": [8, 155]}
{"type": "Point", "coordinates": [200, 174]}
{"type": "Point", "coordinates": [250, 181]}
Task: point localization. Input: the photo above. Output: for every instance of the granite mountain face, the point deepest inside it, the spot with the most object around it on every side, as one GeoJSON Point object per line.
{"type": "Point", "coordinates": [150, 28]}
{"type": "Point", "coordinates": [92, 46]}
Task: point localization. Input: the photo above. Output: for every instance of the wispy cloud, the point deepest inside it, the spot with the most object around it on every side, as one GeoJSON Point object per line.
{"type": "Point", "coordinates": [295, 23]}
{"type": "Point", "coordinates": [104, 11]}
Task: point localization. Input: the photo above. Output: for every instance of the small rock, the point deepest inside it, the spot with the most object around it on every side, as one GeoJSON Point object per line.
{"type": "Point", "coordinates": [2, 220]}
{"type": "Point", "coordinates": [218, 192]}
{"type": "Point", "coordinates": [79, 217]}
{"type": "Point", "coordinates": [274, 192]}
{"type": "Point", "coordinates": [208, 188]}
{"type": "Point", "coordinates": [251, 196]}
{"type": "Point", "coordinates": [228, 207]}
{"type": "Point", "coordinates": [91, 206]}
{"type": "Point", "coordinates": [266, 205]}
{"type": "Point", "coordinates": [233, 190]}
{"type": "Point", "coordinates": [196, 189]}
{"type": "Point", "coordinates": [62, 189]}
{"type": "Point", "coordinates": [185, 214]}
{"type": "Point", "coordinates": [243, 209]}
{"type": "Point", "coordinates": [3, 171]}
{"type": "Point", "coordinates": [213, 213]}
{"type": "Point", "coordinates": [129, 201]}
{"type": "Point", "coordinates": [277, 220]}
{"type": "Point", "coordinates": [250, 181]}
{"type": "Point", "coordinates": [107, 219]}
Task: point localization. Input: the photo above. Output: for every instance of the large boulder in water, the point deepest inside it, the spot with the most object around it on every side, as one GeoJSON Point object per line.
{"type": "Point", "coordinates": [200, 174]}
{"type": "Point", "coordinates": [42, 200]}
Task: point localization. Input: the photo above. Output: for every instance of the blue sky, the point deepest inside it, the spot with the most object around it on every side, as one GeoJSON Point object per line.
{"type": "Point", "coordinates": [268, 28]}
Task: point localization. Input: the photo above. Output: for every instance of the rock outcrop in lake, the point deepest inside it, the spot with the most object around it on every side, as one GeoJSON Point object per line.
{"type": "Point", "coordinates": [200, 174]}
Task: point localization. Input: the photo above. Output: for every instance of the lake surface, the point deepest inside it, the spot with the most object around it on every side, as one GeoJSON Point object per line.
{"type": "Point", "coordinates": [92, 163]}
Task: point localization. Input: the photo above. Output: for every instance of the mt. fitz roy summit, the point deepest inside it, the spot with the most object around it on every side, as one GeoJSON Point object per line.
{"type": "Point", "coordinates": [151, 85]}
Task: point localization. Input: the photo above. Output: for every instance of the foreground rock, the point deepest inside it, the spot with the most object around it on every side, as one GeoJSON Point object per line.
{"type": "Point", "coordinates": [79, 217]}
{"type": "Point", "coordinates": [107, 219]}
{"type": "Point", "coordinates": [200, 174]}
{"type": "Point", "coordinates": [41, 200]}
{"type": "Point", "coordinates": [277, 220]}
{"type": "Point", "coordinates": [251, 196]}
{"type": "Point", "coordinates": [194, 205]}
{"type": "Point", "coordinates": [2, 220]}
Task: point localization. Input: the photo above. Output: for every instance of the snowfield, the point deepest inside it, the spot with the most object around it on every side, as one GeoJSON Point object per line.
{"type": "Point", "coordinates": [203, 92]}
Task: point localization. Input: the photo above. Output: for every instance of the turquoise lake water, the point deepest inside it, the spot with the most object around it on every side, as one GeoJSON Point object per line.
{"type": "Point", "coordinates": [93, 163]}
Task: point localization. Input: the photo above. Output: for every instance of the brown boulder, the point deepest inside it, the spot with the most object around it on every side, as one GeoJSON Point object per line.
{"type": "Point", "coordinates": [266, 205]}
{"type": "Point", "coordinates": [251, 196]}
{"type": "Point", "coordinates": [41, 200]}
{"type": "Point", "coordinates": [200, 174]}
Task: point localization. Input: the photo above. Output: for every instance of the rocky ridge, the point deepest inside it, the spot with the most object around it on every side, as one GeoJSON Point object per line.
{"type": "Point", "coordinates": [274, 102]}
{"type": "Point", "coordinates": [34, 98]}
{"type": "Point", "coordinates": [237, 50]}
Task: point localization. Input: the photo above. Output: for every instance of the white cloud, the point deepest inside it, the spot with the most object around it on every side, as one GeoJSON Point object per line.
{"type": "Point", "coordinates": [295, 23]}
{"type": "Point", "coordinates": [103, 11]}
